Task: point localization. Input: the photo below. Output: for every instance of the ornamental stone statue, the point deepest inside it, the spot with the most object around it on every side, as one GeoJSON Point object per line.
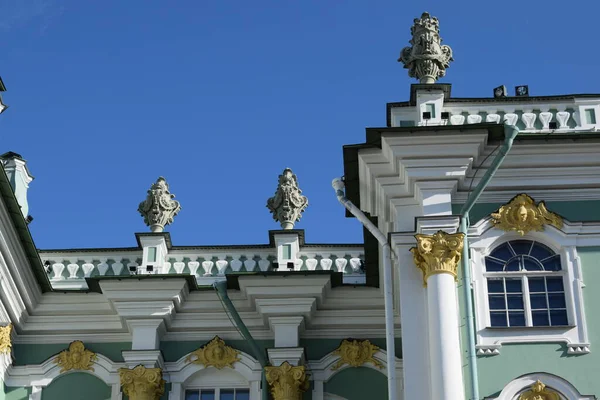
{"type": "Point", "coordinates": [288, 202]}
{"type": "Point", "coordinates": [159, 208]}
{"type": "Point", "coordinates": [426, 58]}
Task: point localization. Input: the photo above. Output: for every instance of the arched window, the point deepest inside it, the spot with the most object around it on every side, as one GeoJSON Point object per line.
{"type": "Point", "coordinates": [213, 384]}
{"type": "Point", "coordinates": [525, 285]}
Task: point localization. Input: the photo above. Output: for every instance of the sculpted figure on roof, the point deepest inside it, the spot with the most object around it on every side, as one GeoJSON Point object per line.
{"type": "Point", "coordinates": [288, 203]}
{"type": "Point", "coordinates": [159, 208]}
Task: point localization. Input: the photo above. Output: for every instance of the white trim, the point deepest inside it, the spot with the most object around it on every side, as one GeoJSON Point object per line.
{"type": "Point", "coordinates": [518, 385]}
{"type": "Point", "coordinates": [483, 237]}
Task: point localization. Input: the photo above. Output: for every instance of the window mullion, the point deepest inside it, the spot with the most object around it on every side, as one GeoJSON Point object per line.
{"type": "Point", "coordinates": [526, 301]}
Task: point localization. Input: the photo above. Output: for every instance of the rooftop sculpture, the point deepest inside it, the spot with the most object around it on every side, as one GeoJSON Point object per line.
{"type": "Point", "coordinates": [288, 203]}
{"type": "Point", "coordinates": [426, 58]}
{"type": "Point", "coordinates": [159, 208]}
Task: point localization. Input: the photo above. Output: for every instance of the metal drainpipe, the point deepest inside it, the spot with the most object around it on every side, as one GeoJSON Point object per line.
{"type": "Point", "coordinates": [221, 288]}
{"type": "Point", "coordinates": [388, 296]}
{"type": "Point", "coordinates": [510, 132]}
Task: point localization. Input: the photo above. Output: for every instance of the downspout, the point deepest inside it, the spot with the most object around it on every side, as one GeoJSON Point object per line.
{"type": "Point", "coordinates": [510, 132]}
{"type": "Point", "coordinates": [221, 288]}
{"type": "Point", "coordinates": [388, 298]}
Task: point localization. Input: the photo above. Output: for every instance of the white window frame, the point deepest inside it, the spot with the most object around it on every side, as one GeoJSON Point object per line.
{"type": "Point", "coordinates": [216, 389]}
{"type": "Point", "coordinates": [483, 238]}
{"type": "Point", "coordinates": [516, 387]}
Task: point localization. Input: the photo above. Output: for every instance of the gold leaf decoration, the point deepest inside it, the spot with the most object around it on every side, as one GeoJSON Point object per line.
{"type": "Point", "coordinates": [216, 354]}
{"type": "Point", "coordinates": [438, 253]}
{"type": "Point", "coordinates": [5, 339]}
{"type": "Point", "coordinates": [539, 391]}
{"type": "Point", "coordinates": [141, 383]}
{"type": "Point", "coordinates": [287, 382]}
{"type": "Point", "coordinates": [522, 215]}
{"type": "Point", "coordinates": [77, 357]}
{"type": "Point", "coordinates": [356, 353]}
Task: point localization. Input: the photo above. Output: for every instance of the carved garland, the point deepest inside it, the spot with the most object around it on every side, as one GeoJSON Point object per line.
{"type": "Point", "coordinates": [76, 357]}
{"type": "Point", "coordinates": [215, 354]}
{"type": "Point", "coordinates": [5, 339]}
{"type": "Point", "coordinates": [356, 353]}
{"type": "Point", "coordinates": [141, 383]}
{"type": "Point", "coordinates": [522, 215]}
{"type": "Point", "coordinates": [287, 382]}
{"type": "Point", "coordinates": [539, 391]}
{"type": "Point", "coordinates": [438, 253]}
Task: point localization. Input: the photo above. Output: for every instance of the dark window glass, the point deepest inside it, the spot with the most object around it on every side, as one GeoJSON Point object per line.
{"type": "Point", "coordinates": [521, 246]}
{"type": "Point", "coordinates": [557, 300]}
{"type": "Point", "coordinates": [531, 264]}
{"type": "Point", "coordinates": [496, 285]}
{"type": "Point", "coordinates": [502, 252]}
{"type": "Point", "coordinates": [516, 318]}
{"type": "Point", "coordinates": [498, 318]}
{"type": "Point", "coordinates": [559, 317]}
{"type": "Point", "coordinates": [536, 285]}
{"type": "Point", "coordinates": [227, 394]}
{"type": "Point", "coordinates": [497, 302]}
{"type": "Point", "coordinates": [538, 301]}
{"type": "Point", "coordinates": [515, 301]}
{"type": "Point", "coordinates": [207, 395]}
{"type": "Point", "coordinates": [540, 318]}
{"type": "Point", "coordinates": [242, 394]}
{"type": "Point", "coordinates": [555, 284]}
{"type": "Point", "coordinates": [552, 263]}
{"type": "Point", "coordinates": [513, 285]}
{"type": "Point", "coordinates": [513, 265]}
{"type": "Point", "coordinates": [540, 251]}
{"type": "Point", "coordinates": [492, 265]}
{"type": "Point", "coordinates": [192, 395]}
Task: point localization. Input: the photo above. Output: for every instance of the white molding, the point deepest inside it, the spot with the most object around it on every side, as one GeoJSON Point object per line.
{"type": "Point", "coordinates": [483, 237]}
{"type": "Point", "coordinates": [522, 383]}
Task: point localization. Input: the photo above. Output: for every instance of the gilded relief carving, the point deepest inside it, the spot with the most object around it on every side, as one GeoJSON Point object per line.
{"type": "Point", "coordinates": [522, 215]}
{"type": "Point", "coordinates": [76, 357]}
{"type": "Point", "coordinates": [356, 353]}
{"type": "Point", "coordinates": [215, 354]}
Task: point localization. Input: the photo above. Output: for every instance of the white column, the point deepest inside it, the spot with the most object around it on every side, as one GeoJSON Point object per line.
{"type": "Point", "coordinates": [444, 342]}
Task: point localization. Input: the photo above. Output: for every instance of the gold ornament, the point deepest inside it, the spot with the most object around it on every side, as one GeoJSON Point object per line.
{"type": "Point", "coordinates": [539, 391]}
{"type": "Point", "coordinates": [76, 357]}
{"type": "Point", "coordinates": [215, 354]}
{"type": "Point", "coordinates": [438, 253]}
{"type": "Point", "coordinates": [522, 215]}
{"type": "Point", "coordinates": [5, 339]}
{"type": "Point", "coordinates": [141, 383]}
{"type": "Point", "coordinates": [356, 353]}
{"type": "Point", "coordinates": [287, 382]}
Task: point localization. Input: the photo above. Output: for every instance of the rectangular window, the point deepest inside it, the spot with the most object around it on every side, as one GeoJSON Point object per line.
{"type": "Point", "coordinates": [405, 124]}
{"type": "Point", "coordinates": [590, 116]}
{"type": "Point", "coordinates": [430, 107]}
{"type": "Point", "coordinates": [217, 394]}
{"type": "Point", "coordinates": [286, 251]}
{"type": "Point", "coordinates": [152, 254]}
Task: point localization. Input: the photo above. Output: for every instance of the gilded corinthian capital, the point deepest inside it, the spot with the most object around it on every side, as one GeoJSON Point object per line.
{"type": "Point", "coordinates": [141, 383]}
{"type": "Point", "coordinates": [438, 253]}
{"type": "Point", "coordinates": [287, 382]}
{"type": "Point", "coordinates": [5, 339]}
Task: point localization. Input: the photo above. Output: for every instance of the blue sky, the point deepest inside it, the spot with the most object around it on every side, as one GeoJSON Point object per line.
{"type": "Point", "coordinates": [220, 96]}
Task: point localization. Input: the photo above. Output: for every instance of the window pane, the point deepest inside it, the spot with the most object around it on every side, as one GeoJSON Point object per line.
{"type": "Point", "coordinates": [521, 246]}
{"type": "Point", "coordinates": [497, 302]}
{"type": "Point", "coordinates": [513, 285]}
{"type": "Point", "coordinates": [540, 318]}
{"type": "Point", "coordinates": [557, 300]}
{"type": "Point", "coordinates": [242, 394]}
{"type": "Point", "coordinates": [590, 116]}
{"type": "Point", "coordinates": [536, 285]}
{"type": "Point", "coordinates": [192, 395]}
{"type": "Point", "coordinates": [515, 301]}
{"type": "Point", "coordinates": [516, 318]}
{"type": "Point", "coordinates": [530, 264]}
{"type": "Point", "coordinates": [538, 301]}
{"type": "Point", "coordinates": [207, 395]}
{"type": "Point", "coordinates": [552, 263]}
{"type": "Point", "coordinates": [559, 317]}
{"type": "Point", "coordinates": [493, 265]}
{"type": "Point", "coordinates": [540, 251]}
{"type": "Point", "coordinates": [227, 394]}
{"type": "Point", "coordinates": [495, 286]}
{"type": "Point", "coordinates": [502, 252]}
{"type": "Point", "coordinates": [513, 265]}
{"type": "Point", "coordinates": [555, 284]}
{"type": "Point", "coordinates": [498, 318]}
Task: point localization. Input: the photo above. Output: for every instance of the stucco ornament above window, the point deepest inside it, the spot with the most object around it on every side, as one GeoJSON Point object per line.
{"type": "Point", "coordinates": [215, 354]}
{"type": "Point", "coordinates": [288, 204]}
{"type": "Point", "coordinates": [5, 339]}
{"type": "Point", "coordinates": [522, 215]}
{"type": "Point", "coordinates": [159, 208]}
{"type": "Point", "coordinates": [141, 383]}
{"type": "Point", "coordinates": [287, 382]}
{"type": "Point", "coordinates": [77, 357]}
{"type": "Point", "coordinates": [438, 253]}
{"type": "Point", "coordinates": [426, 59]}
{"type": "Point", "coordinates": [356, 353]}
{"type": "Point", "coordinates": [539, 391]}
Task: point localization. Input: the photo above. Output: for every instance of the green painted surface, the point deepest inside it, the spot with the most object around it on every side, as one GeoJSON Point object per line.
{"type": "Point", "coordinates": [76, 386]}
{"type": "Point", "coordinates": [463, 335]}
{"type": "Point", "coordinates": [173, 351]}
{"type": "Point", "coordinates": [518, 359]}
{"type": "Point", "coordinates": [26, 354]}
{"type": "Point", "coordinates": [15, 393]}
{"type": "Point", "coordinates": [358, 384]}
{"type": "Point", "coordinates": [585, 210]}
{"type": "Point", "coordinates": [317, 348]}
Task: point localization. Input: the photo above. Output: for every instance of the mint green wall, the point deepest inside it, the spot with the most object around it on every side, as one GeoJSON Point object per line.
{"type": "Point", "coordinates": [358, 384]}
{"type": "Point", "coordinates": [14, 393]}
{"type": "Point", "coordinates": [581, 371]}
{"type": "Point", "coordinates": [585, 210]}
{"type": "Point", "coordinates": [76, 386]}
{"type": "Point", "coordinates": [26, 354]}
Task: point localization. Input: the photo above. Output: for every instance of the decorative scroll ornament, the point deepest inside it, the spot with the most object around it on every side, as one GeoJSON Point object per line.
{"type": "Point", "coordinates": [288, 203]}
{"type": "Point", "coordinates": [159, 208]}
{"type": "Point", "coordinates": [539, 391]}
{"type": "Point", "coordinates": [287, 382]}
{"type": "Point", "coordinates": [522, 215]}
{"type": "Point", "coordinates": [426, 58]}
{"type": "Point", "coordinates": [5, 339]}
{"type": "Point", "coordinates": [141, 383]}
{"type": "Point", "coordinates": [215, 354]}
{"type": "Point", "coordinates": [76, 357]}
{"type": "Point", "coordinates": [438, 253]}
{"type": "Point", "coordinates": [356, 353]}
